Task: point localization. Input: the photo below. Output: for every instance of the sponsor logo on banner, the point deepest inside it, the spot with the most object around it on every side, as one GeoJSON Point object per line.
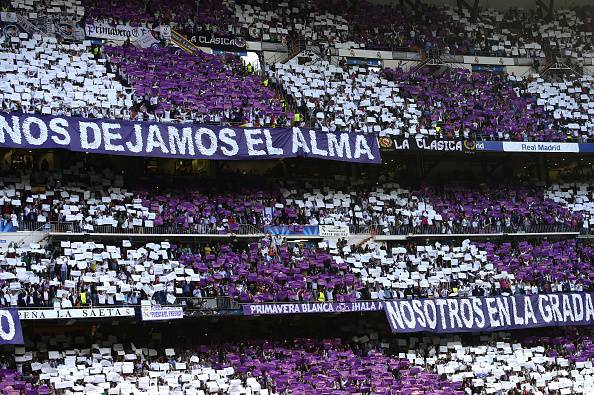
{"type": "Point", "coordinates": [496, 146]}
{"type": "Point", "coordinates": [159, 313]}
{"type": "Point", "coordinates": [165, 32]}
{"type": "Point", "coordinates": [154, 139]}
{"type": "Point", "coordinates": [513, 146]}
{"type": "Point", "coordinates": [490, 313]}
{"type": "Point", "coordinates": [208, 39]}
{"type": "Point", "coordinates": [334, 231]}
{"type": "Point", "coordinates": [95, 312]}
{"type": "Point", "coordinates": [310, 308]}
{"type": "Point", "coordinates": [386, 143]}
{"type": "Point", "coordinates": [67, 29]}
{"type": "Point", "coordinates": [11, 331]}
{"type": "Point", "coordinates": [9, 26]}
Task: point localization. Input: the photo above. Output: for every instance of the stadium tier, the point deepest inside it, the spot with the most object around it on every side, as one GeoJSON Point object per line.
{"type": "Point", "coordinates": [367, 364]}
{"type": "Point", "coordinates": [160, 84]}
{"type": "Point", "coordinates": [67, 274]}
{"type": "Point", "coordinates": [81, 197]}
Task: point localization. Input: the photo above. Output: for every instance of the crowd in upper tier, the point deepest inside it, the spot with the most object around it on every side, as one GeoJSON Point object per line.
{"type": "Point", "coordinates": [362, 24]}
{"type": "Point", "coordinates": [558, 362]}
{"type": "Point", "coordinates": [162, 84]}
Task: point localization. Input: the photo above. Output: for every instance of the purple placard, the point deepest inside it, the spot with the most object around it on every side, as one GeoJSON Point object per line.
{"type": "Point", "coordinates": [310, 308]}
{"type": "Point", "coordinates": [11, 331]}
{"type": "Point", "coordinates": [188, 141]}
{"type": "Point", "coordinates": [489, 314]}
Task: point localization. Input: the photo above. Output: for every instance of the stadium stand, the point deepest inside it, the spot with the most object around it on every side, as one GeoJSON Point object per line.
{"type": "Point", "coordinates": [37, 9]}
{"type": "Point", "coordinates": [460, 104]}
{"type": "Point", "coordinates": [502, 362]}
{"type": "Point", "coordinates": [154, 84]}
{"type": "Point", "coordinates": [175, 254]}
{"type": "Point", "coordinates": [257, 367]}
{"type": "Point", "coordinates": [451, 364]}
{"type": "Point", "coordinates": [577, 196]}
{"type": "Point", "coordinates": [567, 103]}
{"type": "Point", "coordinates": [270, 270]}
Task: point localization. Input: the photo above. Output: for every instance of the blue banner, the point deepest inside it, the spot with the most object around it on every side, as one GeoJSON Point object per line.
{"type": "Point", "coordinates": [311, 308]}
{"type": "Point", "coordinates": [10, 327]}
{"type": "Point", "coordinates": [298, 230]}
{"type": "Point", "coordinates": [587, 147]}
{"type": "Point", "coordinates": [489, 313]}
{"type": "Point", "coordinates": [188, 141]}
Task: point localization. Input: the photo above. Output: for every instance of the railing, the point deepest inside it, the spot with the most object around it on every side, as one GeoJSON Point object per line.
{"type": "Point", "coordinates": [75, 227]}
{"type": "Point", "coordinates": [251, 230]}
{"type": "Point", "coordinates": [463, 230]}
{"type": "Point", "coordinates": [208, 304]}
{"type": "Point", "coordinates": [28, 226]}
{"type": "Point", "coordinates": [188, 303]}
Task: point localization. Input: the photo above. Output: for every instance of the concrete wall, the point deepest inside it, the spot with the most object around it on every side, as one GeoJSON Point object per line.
{"type": "Point", "coordinates": [20, 237]}
{"type": "Point", "coordinates": [392, 64]}
{"type": "Point", "coordinates": [518, 70]}
{"type": "Point", "coordinates": [274, 57]}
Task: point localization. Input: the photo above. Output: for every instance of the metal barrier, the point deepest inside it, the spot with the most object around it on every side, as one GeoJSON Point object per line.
{"type": "Point", "coordinates": [188, 303]}
{"type": "Point", "coordinates": [445, 230]}
{"type": "Point", "coordinates": [251, 230]}
{"type": "Point", "coordinates": [71, 227]}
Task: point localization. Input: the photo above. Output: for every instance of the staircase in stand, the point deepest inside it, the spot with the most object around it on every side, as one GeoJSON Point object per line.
{"type": "Point", "coordinates": [182, 42]}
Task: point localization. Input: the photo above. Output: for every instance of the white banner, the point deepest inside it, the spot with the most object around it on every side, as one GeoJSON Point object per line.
{"type": "Point", "coordinates": [158, 313]}
{"type": "Point", "coordinates": [509, 146]}
{"type": "Point", "coordinates": [334, 231]}
{"type": "Point", "coordinates": [94, 312]}
{"type": "Point", "coordinates": [118, 32]}
{"type": "Point", "coordinates": [145, 41]}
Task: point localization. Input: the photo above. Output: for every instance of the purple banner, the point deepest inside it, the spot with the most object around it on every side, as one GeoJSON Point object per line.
{"type": "Point", "coordinates": [309, 308]}
{"type": "Point", "coordinates": [183, 140]}
{"type": "Point", "coordinates": [489, 314]}
{"type": "Point", "coordinates": [10, 327]}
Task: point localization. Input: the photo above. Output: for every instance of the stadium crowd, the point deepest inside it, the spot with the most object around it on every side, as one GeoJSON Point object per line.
{"type": "Point", "coordinates": [161, 85]}
{"type": "Point", "coordinates": [92, 200]}
{"type": "Point", "coordinates": [271, 270]}
{"type": "Point", "coordinates": [559, 361]}
{"type": "Point", "coordinates": [513, 32]}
